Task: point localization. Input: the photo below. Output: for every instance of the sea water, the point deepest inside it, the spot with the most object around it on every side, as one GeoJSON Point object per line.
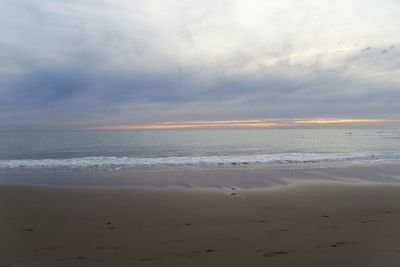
{"type": "Point", "coordinates": [179, 148]}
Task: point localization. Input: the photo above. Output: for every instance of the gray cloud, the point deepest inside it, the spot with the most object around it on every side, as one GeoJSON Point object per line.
{"type": "Point", "coordinates": [84, 63]}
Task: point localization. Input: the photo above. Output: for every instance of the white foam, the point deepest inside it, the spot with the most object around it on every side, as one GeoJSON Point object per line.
{"type": "Point", "coordinates": [127, 162]}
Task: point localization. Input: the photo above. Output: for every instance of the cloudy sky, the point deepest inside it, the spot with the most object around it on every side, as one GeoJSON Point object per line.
{"type": "Point", "coordinates": [94, 63]}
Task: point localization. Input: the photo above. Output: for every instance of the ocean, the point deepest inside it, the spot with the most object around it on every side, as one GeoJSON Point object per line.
{"type": "Point", "coordinates": [201, 148]}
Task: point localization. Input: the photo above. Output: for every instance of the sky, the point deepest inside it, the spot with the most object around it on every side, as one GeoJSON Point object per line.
{"type": "Point", "coordinates": [104, 63]}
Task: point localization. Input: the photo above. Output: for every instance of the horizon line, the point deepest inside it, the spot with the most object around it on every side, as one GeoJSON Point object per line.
{"type": "Point", "coordinates": [245, 123]}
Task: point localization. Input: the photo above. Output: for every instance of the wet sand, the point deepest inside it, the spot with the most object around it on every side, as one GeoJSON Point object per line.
{"type": "Point", "coordinates": [308, 224]}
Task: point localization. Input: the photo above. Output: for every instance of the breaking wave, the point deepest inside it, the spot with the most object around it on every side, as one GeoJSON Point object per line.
{"type": "Point", "coordinates": [132, 162]}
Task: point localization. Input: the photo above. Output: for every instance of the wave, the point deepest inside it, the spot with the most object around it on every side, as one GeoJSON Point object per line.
{"type": "Point", "coordinates": [131, 162]}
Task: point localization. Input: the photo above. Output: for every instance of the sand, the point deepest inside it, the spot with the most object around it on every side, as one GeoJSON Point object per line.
{"type": "Point", "coordinates": [307, 224]}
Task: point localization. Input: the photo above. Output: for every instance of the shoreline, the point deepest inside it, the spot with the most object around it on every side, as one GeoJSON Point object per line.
{"type": "Point", "coordinates": [217, 177]}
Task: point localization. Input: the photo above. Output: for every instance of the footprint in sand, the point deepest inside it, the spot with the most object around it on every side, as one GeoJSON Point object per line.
{"type": "Point", "coordinates": [275, 253]}
{"type": "Point", "coordinates": [190, 254]}
{"type": "Point", "coordinates": [343, 243]}
{"type": "Point", "coordinates": [28, 230]}
{"type": "Point", "coordinates": [109, 228]}
{"type": "Point", "coordinates": [337, 244]}
{"type": "Point", "coordinates": [324, 216]}
{"type": "Point", "coordinates": [368, 221]}
{"type": "Point", "coordinates": [146, 259]}
{"type": "Point", "coordinates": [259, 221]}
{"type": "Point", "coordinates": [385, 211]}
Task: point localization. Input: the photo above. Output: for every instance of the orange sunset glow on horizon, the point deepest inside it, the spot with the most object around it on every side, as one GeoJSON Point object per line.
{"type": "Point", "coordinates": [253, 123]}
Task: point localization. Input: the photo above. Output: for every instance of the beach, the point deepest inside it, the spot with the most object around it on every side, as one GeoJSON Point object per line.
{"type": "Point", "coordinates": [307, 223]}
{"type": "Point", "coordinates": [199, 133]}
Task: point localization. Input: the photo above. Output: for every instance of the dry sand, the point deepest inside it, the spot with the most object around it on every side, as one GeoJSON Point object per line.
{"type": "Point", "coordinates": [316, 224]}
